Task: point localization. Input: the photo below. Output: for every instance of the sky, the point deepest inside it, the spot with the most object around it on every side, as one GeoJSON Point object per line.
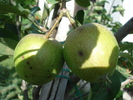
{"type": "Point", "coordinates": [128, 14]}
{"type": "Point", "coordinates": [128, 6]}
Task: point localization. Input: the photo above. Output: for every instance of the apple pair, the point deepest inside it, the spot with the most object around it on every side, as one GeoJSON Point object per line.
{"type": "Point", "coordinates": [90, 51]}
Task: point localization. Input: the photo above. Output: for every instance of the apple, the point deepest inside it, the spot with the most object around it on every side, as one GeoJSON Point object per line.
{"type": "Point", "coordinates": [37, 59]}
{"type": "Point", "coordinates": [91, 52]}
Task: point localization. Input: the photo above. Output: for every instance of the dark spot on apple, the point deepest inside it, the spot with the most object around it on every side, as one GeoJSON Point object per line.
{"type": "Point", "coordinates": [22, 57]}
{"type": "Point", "coordinates": [80, 53]}
{"type": "Point", "coordinates": [28, 63]}
{"type": "Point", "coordinates": [31, 67]}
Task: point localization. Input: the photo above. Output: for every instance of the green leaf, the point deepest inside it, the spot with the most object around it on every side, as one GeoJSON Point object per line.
{"type": "Point", "coordinates": [4, 74]}
{"type": "Point", "coordinates": [12, 28]}
{"type": "Point", "coordinates": [106, 90]}
{"type": "Point", "coordinates": [8, 38]}
{"type": "Point", "coordinates": [3, 57]}
{"type": "Point", "coordinates": [7, 34]}
{"type": "Point", "coordinates": [5, 50]}
{"type": "Point", "coordinates": [123, 67]}
{"type": "Point", "coordinates": [98, 91]}
{"type": "Point", "coordinates": [127, 56]}
{"type": "Point", "coordinates": [83, 3]}
{"type": "Point", "coordinates": [16, 10]}
{"type": "Point", "coordinates": [119, 9]}
{"type": "Point", "coordinates": [35, 9]}
{"type": "Point", "coordinates": [26, 3]}
{"type": "Point", "coordinates": [53, 1]}
{"type": "Point", "coordinates": [80, 16]}
{"type": "Point", "coordinates": [114, 86]}
{"type": "Point", "coordinates": [126, 46]}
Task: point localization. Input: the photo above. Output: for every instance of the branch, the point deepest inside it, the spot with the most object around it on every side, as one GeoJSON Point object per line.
{"type": "Point", "coordinates": [55, 24]}
{"type": "Point", "coordinates": [124, 30]}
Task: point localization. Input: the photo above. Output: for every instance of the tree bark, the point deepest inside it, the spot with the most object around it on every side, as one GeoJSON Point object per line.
{"type": "Point", "coordinates": [124, 30]}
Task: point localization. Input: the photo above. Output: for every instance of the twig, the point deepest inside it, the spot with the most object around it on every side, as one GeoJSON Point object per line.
{"type": "Point", "coordinates": [41, 29]}
{"type": "Point", "coordinates": [55, 24]}
{"type": "Point", "coordinates": [70, 19]}
{"type": "Point", "coordinates": [124, 30]}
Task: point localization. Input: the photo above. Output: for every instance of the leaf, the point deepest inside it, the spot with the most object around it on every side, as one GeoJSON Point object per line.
{"type": "Point", "coordinates": [106, 91]}
{"type": "Point", "coordinates": [83, 3]}
{"type": "Point", "coordinates": [26, 3]}
{"type": "Point", "coordinates": [114, 87]}
{"type": "Point", "coordinates": [35, 9]}
{"type": "Point", "coordinates": [126, 46]}
{"type": "Point", "coordinates": [5, 50]}
{"type": "Point", "coordinates": [127, 56]}
{"type": "Point", "coordinates": [8, 38]}
{"type": "Point", "coordinates": [123, 68]}
{"type": "Point", "coordinates": [4, 74]}
{"type": "Point", "coordinates": [97, 91]}
{"type": "Point", "coordinates": [119, 9]}
{"type": "Point", "coordinates": [80, 16]}
{"type": "Point", "coordinates": [93, 1]}
{"type": "Point", "coordinates": [16, 10]}
{"type": "Point", "coordinates": [53, 1]}
{"type": "Point", "coordinates": [12, 28]}
{"type": "Point", "coordinates": [3, 57]}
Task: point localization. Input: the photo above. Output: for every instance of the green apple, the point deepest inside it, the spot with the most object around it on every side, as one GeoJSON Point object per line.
{"type": "Point", "coordinates": [37, 59]}
{"type": "Point", "coordinates": [91, 52]}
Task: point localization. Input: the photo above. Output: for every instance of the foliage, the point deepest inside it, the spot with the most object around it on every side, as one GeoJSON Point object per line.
{"type": "Point", "coordinates": [18, 18]}
{"type": "Point", "coordinates": [97, 13]}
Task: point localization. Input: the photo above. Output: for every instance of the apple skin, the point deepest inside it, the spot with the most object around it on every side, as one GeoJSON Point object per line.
{"type": "Point", "coordinates": [91, 52]}
{"type": "Point", "coordinates": [37, 59]}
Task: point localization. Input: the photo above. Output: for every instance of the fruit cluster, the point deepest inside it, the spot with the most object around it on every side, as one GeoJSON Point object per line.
{"type": "Point", "coordinates": [90, 51]}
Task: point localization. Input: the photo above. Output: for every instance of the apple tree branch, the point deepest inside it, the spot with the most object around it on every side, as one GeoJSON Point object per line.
{"type": "Point", "coordinates": [124, 30]}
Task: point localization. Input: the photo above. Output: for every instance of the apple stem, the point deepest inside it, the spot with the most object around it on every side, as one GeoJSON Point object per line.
{"type": "Point", "coordinates": [70, 19]}
{"type": "Point", "coordinates": [66, 12]}
{"type": "Point", "coordinates": [55, 24]}
{"type": "Point", "coordinates": [63, 11]}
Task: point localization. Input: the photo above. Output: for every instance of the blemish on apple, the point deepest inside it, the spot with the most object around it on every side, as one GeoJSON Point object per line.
{"type": "Point", "coordinates": [28, 63]}
{"type": "Point", "coordinates": [80, 53]}
{"type": "Point", "coordinates": [22, 57]}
